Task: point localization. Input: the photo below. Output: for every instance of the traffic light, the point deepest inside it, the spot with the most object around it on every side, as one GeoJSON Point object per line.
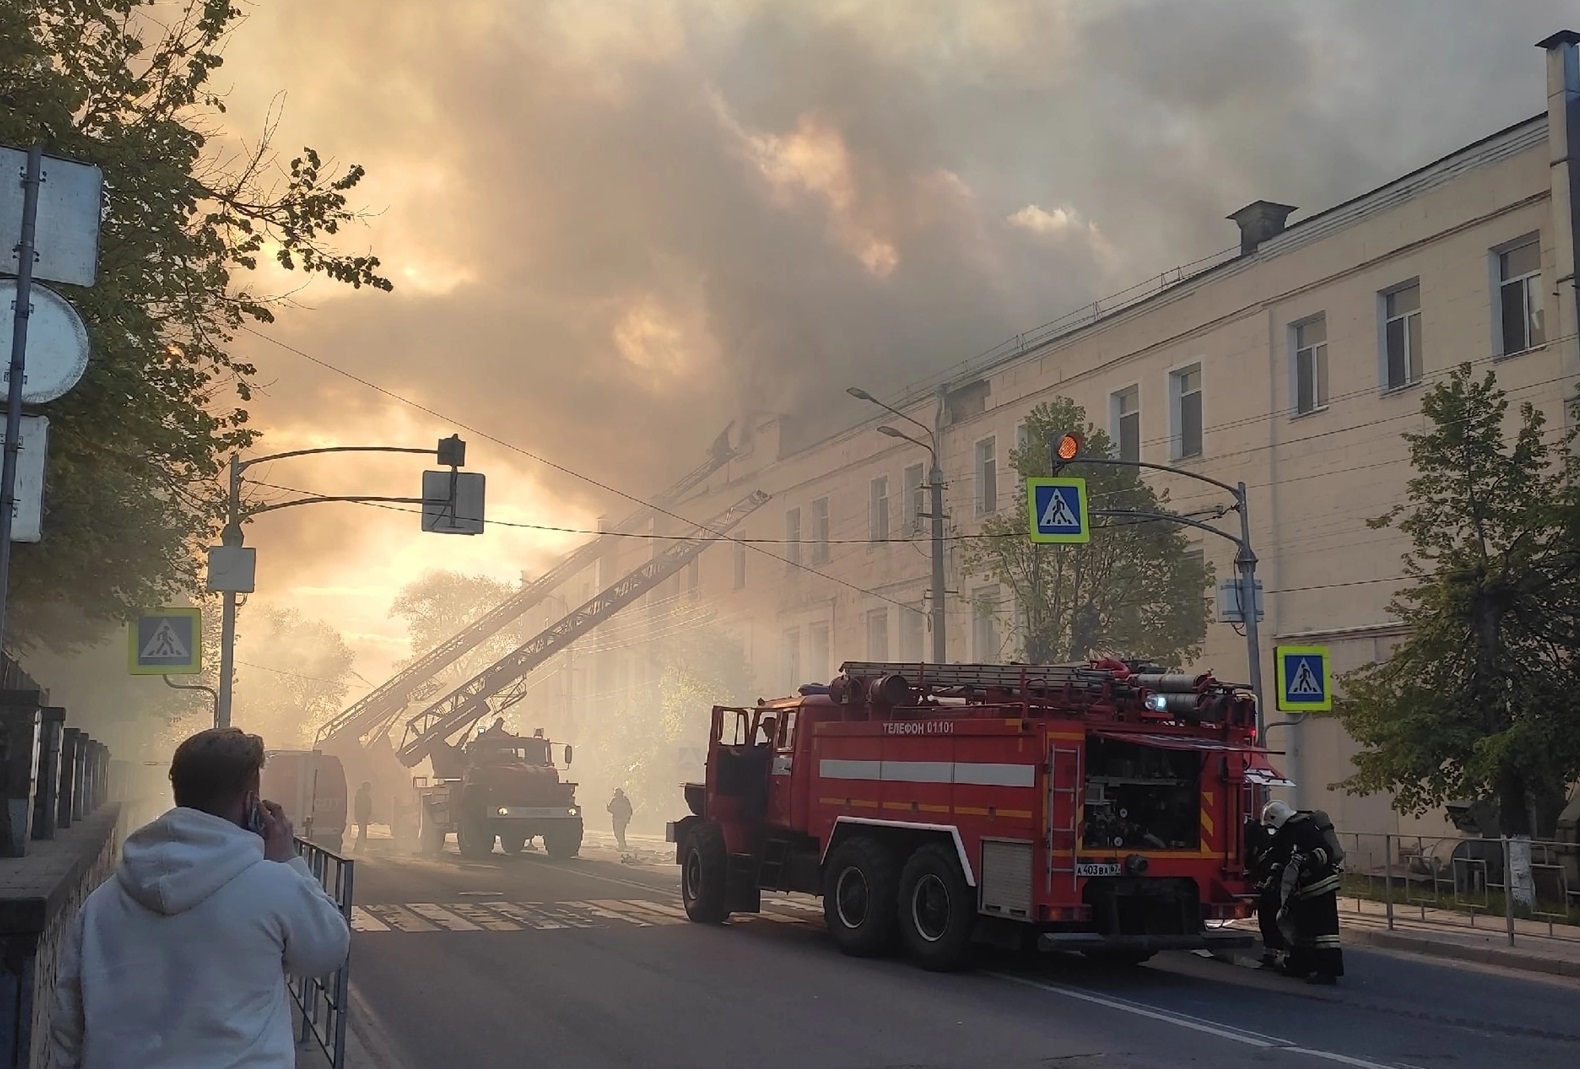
{"type": "Point", "coordinates": [1066, 449]}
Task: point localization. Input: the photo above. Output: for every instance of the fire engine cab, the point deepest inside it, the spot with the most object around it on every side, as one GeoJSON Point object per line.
{"type": "Point", "coordinates": [1100, 808]}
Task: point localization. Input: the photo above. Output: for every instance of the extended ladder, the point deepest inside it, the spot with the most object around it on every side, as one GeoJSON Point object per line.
{"type": "Point", "coordinates": [505, 679]}
{"type": "Point", "coordinates": [390, 699]}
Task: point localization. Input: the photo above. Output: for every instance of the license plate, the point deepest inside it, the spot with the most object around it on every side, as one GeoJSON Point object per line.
{"type": "Point", "coordinates": [1097, 868]}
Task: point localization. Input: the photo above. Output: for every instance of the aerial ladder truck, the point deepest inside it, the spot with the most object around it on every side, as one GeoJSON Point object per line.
{"type": "Point", "coordinates": [505, 787]}
{"type": "Point", "coordinates": [356, 746]}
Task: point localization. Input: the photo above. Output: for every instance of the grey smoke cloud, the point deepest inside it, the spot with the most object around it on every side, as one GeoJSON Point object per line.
{"type": "Point", "coordinates": [616, 225]}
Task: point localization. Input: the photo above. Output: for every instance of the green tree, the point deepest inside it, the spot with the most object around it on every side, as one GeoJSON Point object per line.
{"type": "Point", "coordinates": [1479, 700]}
{"type": "Point", "coordinates": [1133, 591]}
{"type": "Point", "coordinates": [439, 604]}
{"type": "Point", "coordinates": [136, 447]}
{"type": "Point", "coordinates": [635, 745]}
{"type": "Point", "coordinates": [292, 675]}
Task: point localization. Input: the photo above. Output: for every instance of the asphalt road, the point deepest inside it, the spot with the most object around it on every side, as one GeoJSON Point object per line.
{"type": "Point", "coordinates": [526, 961]}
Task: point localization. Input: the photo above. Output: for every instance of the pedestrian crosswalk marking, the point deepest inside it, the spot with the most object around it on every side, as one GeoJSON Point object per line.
{"type": "Point", "coordinates": [442, 917]}
{"type": "Point", "coordinates": [363, 921]}
{"type": "Point", "coordinates": [483, 918]}
{"type": "Point", "coordinates": [414, 917]}
{"type": "Point", "coordinates": [400, 918]}
{"type": "Point", "coordinates": [522, 917]}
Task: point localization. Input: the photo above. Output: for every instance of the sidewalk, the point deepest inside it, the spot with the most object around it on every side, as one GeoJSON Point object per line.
{"type": "Point", "coordinates": [1445, 934]}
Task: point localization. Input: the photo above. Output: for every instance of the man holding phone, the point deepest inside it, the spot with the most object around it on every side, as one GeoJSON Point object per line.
{"type": "Point", "coordinates": [177, 959]}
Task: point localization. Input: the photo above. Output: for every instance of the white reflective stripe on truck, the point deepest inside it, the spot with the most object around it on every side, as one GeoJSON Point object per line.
{"type": "Point", "coordinates": [972, 773]}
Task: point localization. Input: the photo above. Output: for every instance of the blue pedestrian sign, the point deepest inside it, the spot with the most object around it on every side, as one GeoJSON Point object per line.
{"type": "Point", "coordinates": [167, 642]}
{"type": "Point", "coordinates": [1056, 511]}
{"type": "Point", "coordinates": [1304, 682]}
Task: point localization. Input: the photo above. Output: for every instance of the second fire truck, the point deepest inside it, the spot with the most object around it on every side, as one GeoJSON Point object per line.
{"type": "Point", "coordinates": [1099, 808]}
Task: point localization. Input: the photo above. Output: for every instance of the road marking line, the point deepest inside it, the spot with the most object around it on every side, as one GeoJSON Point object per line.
{"type": "Point", "coordinates": [401, 918]}
{"type": "Point", "coordinates": [1195, 1024]}
{"type": "Point", "coordinates": [562, 912]}
{"type": "Point", "coordinates": [522, 915]}
{"type": "Point", "coordinates": [659, 907]}
{"type": "Point", "coordinates": [363, 921]}
{"type": "Point", "coordinates": [441, 916]}
{"type": "Point", "coordinates": [483, 918]}
{"type": "Point", "coordinates": [619, 910]}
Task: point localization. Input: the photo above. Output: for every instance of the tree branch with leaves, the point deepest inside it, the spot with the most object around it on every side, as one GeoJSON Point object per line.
{"type": "Point", "coordinates": [1480, 700]}
{"type": "Point", "coordinates": [1133, 591]}
{"type": "Point", "coordinates": [136, 448]}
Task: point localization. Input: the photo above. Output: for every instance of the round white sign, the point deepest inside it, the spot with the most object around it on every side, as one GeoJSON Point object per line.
{"type": "Point", "coordinates": [57, 344]}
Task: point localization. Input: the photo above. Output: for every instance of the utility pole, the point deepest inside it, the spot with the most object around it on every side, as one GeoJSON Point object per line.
{"type": "Point", "coordinates": [231, 569]}
{"type": "Point", "coordinates": [13, 419]}
{"type": "Point", "coordinates": [935, 481]}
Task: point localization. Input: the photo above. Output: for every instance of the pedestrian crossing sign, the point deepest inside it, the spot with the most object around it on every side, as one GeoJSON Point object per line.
{"type": "Point", "coordinates": [167, 642]}
{"type": "Point", "coordinates": [1057, 512]}
{"type": "Point", "coordinates": [1304, 682]}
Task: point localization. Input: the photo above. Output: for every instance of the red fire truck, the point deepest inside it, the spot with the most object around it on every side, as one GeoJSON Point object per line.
{"type": "Point", "coordinates": [1099, 808]}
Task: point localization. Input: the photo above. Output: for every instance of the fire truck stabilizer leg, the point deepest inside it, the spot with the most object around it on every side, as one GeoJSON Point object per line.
{"type": "Point", "coordinates": [861, 892]}
{"type": "Point", "coordinates": [512, 842]}
{"type": "Point", "coordinates": [704, 871]}
{"type": "Point", "coordinates": [937, 909]}
{"type": "Point", "coordinates": [563, 839]}
{"type": "Point", "coordinates": [430, 834]}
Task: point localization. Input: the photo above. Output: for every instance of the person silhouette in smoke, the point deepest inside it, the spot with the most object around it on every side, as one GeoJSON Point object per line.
{"type": "Point", "coordinates": [362, 813]}
{"type": "Point", "coordinates": [620, 810]}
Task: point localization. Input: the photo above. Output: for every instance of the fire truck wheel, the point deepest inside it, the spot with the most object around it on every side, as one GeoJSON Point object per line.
{"type": "Point", "coordinates": [937, 909]}
{"type": "Point", "coordinates": [703, 875]}
{"type": "Point", "coordinates": [861, 897]}
{"type": "Point", "coordinates": [474, 839]}
{"type": "Point", "coordinates": [563, 840]}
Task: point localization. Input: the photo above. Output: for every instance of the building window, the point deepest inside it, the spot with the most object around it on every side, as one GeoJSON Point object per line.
{"type": "Point", "coordinates": [820, 531]}
{"type": "Point", "coordinates": [1022, 436]}
{"type": "Point", "coordinates": [987, 476]}
{"type": "Point", "coordinates": [792, 538]}
{"type": "Point", "coordinates": [817, 651]}
{"type": "Point", "coordinates": [984, 625]}
{"type": "Point", "coordinates": [1125, 414]}
{"type": "Point", "coordinates": [878, 635]}
{"type": "Point", "coordinates": [913, 628]}
{"type": "Point", "coordinates": [878, 509]}
{"type": "Point", "coordinates": [915, 497]}
{"type": "Point", "coordinates": [1311, 365]}
{"type": "Point", "coordinates": [740, 566]}
{"type": "Point", "coordinates": [790, 660]}
{"type": "Point", "coordinates": [1402, 336]}
{"type": "Point", "coordinates": [1185, 389]}
{"type": "Point", "coordinates": [1520, 298]}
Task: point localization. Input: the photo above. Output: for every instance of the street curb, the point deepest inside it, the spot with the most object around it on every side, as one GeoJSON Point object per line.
{"type": "Point", "coordinates": [1504, 959]}
{"type": "Point", "coordinates": [367, 1042]}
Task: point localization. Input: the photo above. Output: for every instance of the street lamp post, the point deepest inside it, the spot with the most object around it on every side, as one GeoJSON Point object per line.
{"type": "Point", "coordinates": [231, 557]}
{"type": "Point", "coordinates": [935, 481]}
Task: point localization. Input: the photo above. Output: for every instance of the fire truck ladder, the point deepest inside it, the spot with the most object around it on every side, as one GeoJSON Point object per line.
{"type": "Point", "coordinates": [506, 678]}
{"type": "Point", "coordinates": [378, 709]}
{"type": "Point", "coordinates": [1064, 780]}
{"type": "Point", "coordinates": [983, 677]}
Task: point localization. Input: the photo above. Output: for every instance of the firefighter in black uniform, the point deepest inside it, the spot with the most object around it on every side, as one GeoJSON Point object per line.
{"type": "Point", "coordinates": [1306, 878]}
{"type": "Point", "coordinates": [1266, 875]}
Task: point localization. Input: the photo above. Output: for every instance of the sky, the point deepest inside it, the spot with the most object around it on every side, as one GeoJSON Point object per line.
{"type": "Point", "coordinates": [613, 227]}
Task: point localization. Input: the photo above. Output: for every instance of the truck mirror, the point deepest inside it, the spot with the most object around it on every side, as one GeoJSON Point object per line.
{"type": "Point", "coordinates": [567, 756]}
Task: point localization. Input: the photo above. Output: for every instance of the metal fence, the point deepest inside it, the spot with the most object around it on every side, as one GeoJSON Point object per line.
{"type": "Point", "coordinates": [1528, 887]}
{"type": "Point", "coordinates": [324, 1001]}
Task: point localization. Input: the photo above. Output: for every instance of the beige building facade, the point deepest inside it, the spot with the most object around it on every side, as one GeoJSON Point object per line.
{"type": "Point", "coordinates": [1292, 364]}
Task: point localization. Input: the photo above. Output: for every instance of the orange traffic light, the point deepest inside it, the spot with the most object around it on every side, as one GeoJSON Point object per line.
{"type": "Point", "coordinates": [1066, 448]}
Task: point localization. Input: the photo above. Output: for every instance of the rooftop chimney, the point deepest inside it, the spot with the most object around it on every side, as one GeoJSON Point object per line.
{"type": "Point", "coordinates": [1259, 221]}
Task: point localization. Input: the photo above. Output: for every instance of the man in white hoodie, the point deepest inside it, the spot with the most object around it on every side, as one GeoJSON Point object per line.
{"type": "Point", "coordinates": [179, 961]}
